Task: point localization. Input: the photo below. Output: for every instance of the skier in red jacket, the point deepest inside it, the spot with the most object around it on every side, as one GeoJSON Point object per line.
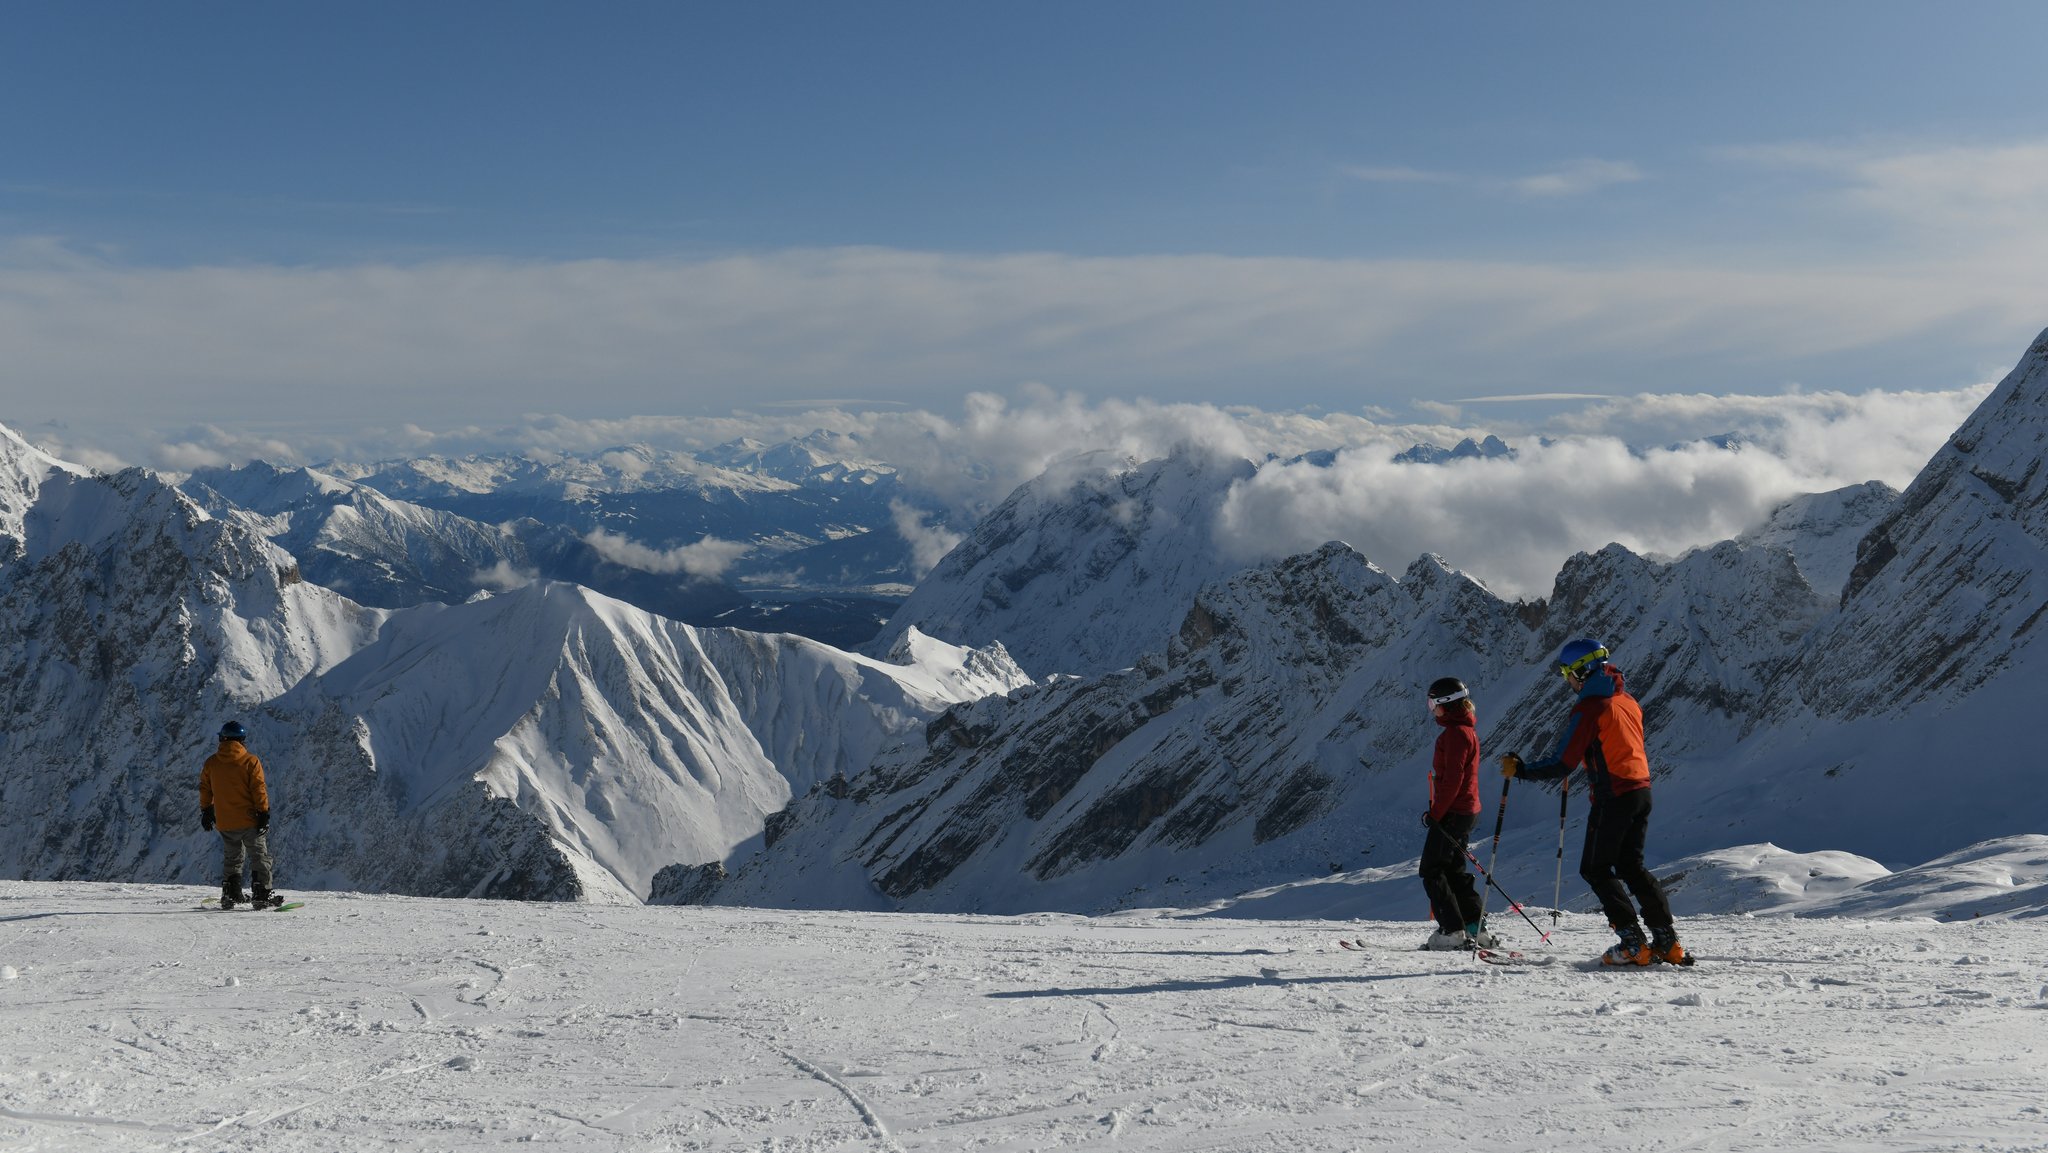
{"type": "Point", "coordinates": [1453, 808]}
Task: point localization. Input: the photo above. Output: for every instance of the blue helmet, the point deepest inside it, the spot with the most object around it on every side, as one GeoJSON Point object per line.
{"type": "Point", "coordinates": [1580, 656]}
{"type": "Point", "coordinates": [233, 731]}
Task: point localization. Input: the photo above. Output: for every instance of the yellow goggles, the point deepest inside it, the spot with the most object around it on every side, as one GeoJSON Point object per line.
{"type": "Point", "coordinates": [1578, 667]}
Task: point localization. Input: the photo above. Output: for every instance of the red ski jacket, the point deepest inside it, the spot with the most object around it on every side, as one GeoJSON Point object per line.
{"type": "Point", "coordinates": [1454, 770]}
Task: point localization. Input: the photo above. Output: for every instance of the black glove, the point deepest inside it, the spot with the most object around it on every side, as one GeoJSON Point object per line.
{"type": "Point", "coordinates": [206, 817]}
{"type": "Point", "coordinates": [1426, 820]}
{"type": "Point", "coordinates": [1510, 764]}
{"type": "Point", "coordinates": [262, 819]}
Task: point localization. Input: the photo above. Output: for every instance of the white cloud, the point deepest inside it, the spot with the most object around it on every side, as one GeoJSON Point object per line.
{"type": "Point", "coordinates": [709, 557]}
{"type": "Point", "coordinates": [929, 544]}
{"type": "Point", "coordinates": [1609, 476]}
{"type": "Point", "coordinates": [1512, 523]}
{"type": "Point", "coordinates": [504, 577]}
{"type": "Point", "coordinates": [1578, 178]}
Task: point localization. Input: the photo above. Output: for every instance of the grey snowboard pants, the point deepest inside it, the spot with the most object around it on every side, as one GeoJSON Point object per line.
{"type": "Point", "coordinates": [235, 844]}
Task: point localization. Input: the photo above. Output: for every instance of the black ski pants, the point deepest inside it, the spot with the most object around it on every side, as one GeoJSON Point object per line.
{"type": "Point", "coordinates": [1453, 894]}
{"type": "Point", "coordinates": [1613, 862]}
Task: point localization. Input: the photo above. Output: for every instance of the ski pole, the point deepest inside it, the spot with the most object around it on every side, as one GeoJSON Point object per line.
{"type": "Point", "coordinates": [1564, 796]}
{"type": "Point", "coordinates": [1499, 815]}
{"type": "Point", "coordinates": [1512, 903]}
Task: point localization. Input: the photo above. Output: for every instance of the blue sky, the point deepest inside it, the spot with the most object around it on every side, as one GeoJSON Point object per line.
{"type": "Point", "coordinates": [290, 215]}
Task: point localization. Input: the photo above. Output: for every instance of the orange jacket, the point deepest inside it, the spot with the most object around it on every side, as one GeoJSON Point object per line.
{"type": "Point", "coordinates": [232, 785]}
{"type": "Point", "coordinates": [1605, 734]}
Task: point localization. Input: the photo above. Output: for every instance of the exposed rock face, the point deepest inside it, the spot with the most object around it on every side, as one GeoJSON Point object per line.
{"type": "Point", "coordinates": [131, 626]}
{"type": "Point", "coordinates": [1262, 737]}
{"type": "Point", "coordinates": [1950, 587]}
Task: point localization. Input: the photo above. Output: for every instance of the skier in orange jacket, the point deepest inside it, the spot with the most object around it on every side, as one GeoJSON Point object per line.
{"type": "Point", "coordinates": [1605, 736]}
{"type": "Point", "coordinates": [234, 799]}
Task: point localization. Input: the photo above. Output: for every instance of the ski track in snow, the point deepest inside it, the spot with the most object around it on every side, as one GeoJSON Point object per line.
{"type": "Point", "coordinates": [396, 1023]}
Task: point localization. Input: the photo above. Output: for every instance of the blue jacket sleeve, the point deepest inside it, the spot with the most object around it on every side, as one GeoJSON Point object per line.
{"type": "Point", "coordinates": [1555, 766]}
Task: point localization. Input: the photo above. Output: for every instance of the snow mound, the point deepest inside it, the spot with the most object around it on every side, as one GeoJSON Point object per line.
{"type": "Point", "coordinates": [2003, 878]}
{"type": "Point", "coordinates": [1762, 878]}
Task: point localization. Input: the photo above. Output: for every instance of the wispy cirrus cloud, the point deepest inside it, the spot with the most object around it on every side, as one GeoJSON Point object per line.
{"type": "Point", "coordinates": [1576, 178]}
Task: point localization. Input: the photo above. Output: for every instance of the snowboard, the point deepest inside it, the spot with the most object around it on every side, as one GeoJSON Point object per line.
{"type": "Point", "coordinates": [286, 907]}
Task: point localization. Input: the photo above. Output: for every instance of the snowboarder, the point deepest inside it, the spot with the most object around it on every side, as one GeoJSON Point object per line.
{"type": "Point", "coordinates": [233, 797]}
{"type": "Point", "coordinates": [1605, 734]}
{"type": "Point", "coordinates": [1453, 809]}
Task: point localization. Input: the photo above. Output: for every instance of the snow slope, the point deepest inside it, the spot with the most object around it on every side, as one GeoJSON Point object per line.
{"type": "Point", "coordinates": [357, 1022]}
{"type": "Point", "coordinates": [23, 468]}
{"type": "Point", "coordinates": [636, 741]}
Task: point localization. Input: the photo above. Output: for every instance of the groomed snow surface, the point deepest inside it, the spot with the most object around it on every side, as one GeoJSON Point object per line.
{"type": "Point", "coordinates": [135, 1021]}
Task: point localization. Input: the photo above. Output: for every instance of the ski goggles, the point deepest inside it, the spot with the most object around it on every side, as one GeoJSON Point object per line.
{"type": "Point", "coordinates": [1578, 667]}
{"type": "Point", "coordinates": [1460, 695]}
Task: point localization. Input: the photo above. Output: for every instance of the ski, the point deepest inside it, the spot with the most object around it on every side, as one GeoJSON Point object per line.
{"type": "Point", "coordinates": [1510, 957]}
{"type": "Point", "coordinates": [1354, 946]}
{"type": "Point", "coordinates": [1599, 966]}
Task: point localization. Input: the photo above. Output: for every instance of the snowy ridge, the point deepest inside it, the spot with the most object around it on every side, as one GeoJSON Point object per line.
{"type": "Point", "coordinates": [1951, 586]}
{"type": "Point", "coordinates": [1083, 569]}
{"type": "Point", "coordinates": [1822, 530]}
{"type": "Point", "coordinates": [624, 468]}
{"type": "Point", "coordinates": [355, 540]}
{"type": "Point", "coordinates": [637, 742]}
{"type": "Point", "coordinates": [23, 468]}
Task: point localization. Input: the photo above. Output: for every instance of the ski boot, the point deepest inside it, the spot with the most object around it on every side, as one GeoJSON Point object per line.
{"type": "Point", "coordinates": [1443, 942]}
{"type": "Point", "coordinates": [231, 893]}
{"type": "Point", "coordinates": [1480, 936]}
{"type": "Point", "coordinates": [1630, 950]}
{"type": "Point", "coordinates": [263, 898]}
{"type": "Point", "coordinates": [1664, 947]}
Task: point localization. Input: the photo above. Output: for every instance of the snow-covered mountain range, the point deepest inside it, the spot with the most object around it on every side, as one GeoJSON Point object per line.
{"type": "Point", "coordinates": [1280, 730]}
{"type": "Point", "coordinates": [1231, 727]}
{"type": "Point", "coordinates": [784, 538]}
{"type": "Point", "coordinates": [545, 742]}
{"type": "Point", "coordinates": [780, 501]}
